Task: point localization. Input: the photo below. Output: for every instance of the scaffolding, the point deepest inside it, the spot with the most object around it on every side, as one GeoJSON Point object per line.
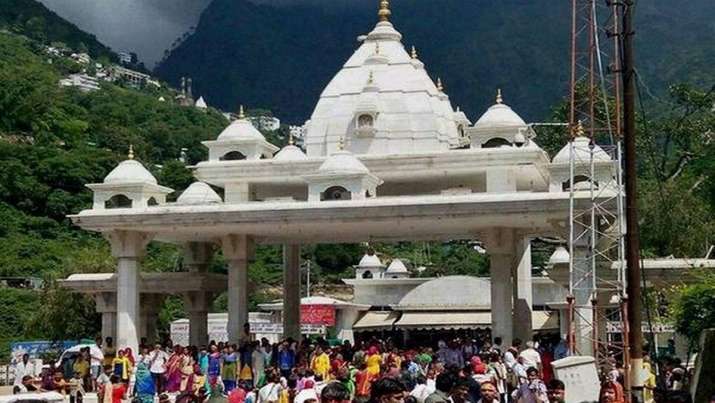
{"type": "Point", "coordinates": [596, 299]}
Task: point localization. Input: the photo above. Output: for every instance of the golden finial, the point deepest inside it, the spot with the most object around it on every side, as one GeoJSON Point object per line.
{"type": "Point", "coordinates": [440, 87]}
{"type": "Point", "coordinates": [241, 114]}
{"type": "Point", "coordinates": [131, 152]}
{"type": "Point", "coordinates": [341, 144]}
{"type": "Point", "coordinates": [579, 129]}
{"type": "Point", "coordinates": [290, 138]}
{"type": "Point", "coordinates": [500, 100]}
{"type": "Point", "coordinates": [384, 13]}
{"type": "Point", "coordinates": [413, 54]}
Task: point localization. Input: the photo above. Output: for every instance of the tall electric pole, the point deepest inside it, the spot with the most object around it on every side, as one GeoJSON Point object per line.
{"type": "Point", "coordinates": [633, 287]}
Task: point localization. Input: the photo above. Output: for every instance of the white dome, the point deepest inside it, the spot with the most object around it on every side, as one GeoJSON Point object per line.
{"type": "Point", "coordinates": [582, 153]}
{"type": "Point", "coordinates": [560, 256]}
{"type": "Point", "coordinates": [499, 115]}
{"type": "Point", "coordinates": [343, 162]}
{"type": "Point", "coordinates": [290, 153]}
{"type": "Point", "coordinates": [200, 103]}
{"type": "Point", "coordinates": [198, 193]}
{"type": "Point", "coordinates": [411, 114]}
{"type": "Point", "coordinates": [451, 292]}
{"type": "Point", "coordinates": [130, 171]}
{"type": "Point", "coordinates": [370, 261]}
{"type": "Point", "coordinates": [396, 267]}
{"type": "Point", "coordinates": [241, 129]}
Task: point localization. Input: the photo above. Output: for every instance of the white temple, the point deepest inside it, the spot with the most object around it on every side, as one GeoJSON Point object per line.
{"type": "Point", "coordinates": [387, 158]}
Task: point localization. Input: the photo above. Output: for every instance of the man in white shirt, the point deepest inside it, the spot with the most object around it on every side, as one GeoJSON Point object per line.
{"type": "Point", "coordinates": [23, 367]}
{"type": "Point", "coordinates": [157, 366]}
{"type": "Point", "coordinates": [532, 358]}
{"type": "Point", "coordinates": [96, 358]}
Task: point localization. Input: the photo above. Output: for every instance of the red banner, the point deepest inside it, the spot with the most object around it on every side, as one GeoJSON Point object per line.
{"type": "Point", "coordinates": [317, 315]}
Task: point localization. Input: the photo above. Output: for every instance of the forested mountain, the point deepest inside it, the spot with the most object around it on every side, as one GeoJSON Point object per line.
{"type": "Point", "coordinates": [280, 55]}
{"type": "Point", "coordinates": [34, 20]}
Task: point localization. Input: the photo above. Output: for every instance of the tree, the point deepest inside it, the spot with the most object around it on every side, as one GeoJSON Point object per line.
{"type": "Point", "coordinates": [693, 308]}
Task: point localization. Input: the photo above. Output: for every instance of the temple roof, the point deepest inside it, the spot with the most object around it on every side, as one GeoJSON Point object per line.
{"type": "Point", "coordinates": [412, 114]}
{"type": "Point", "coordinates": [451, 292]}
{"type": "Point", "coordinates": [130, 171]}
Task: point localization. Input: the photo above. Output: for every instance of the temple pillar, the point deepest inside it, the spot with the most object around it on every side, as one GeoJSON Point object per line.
{"type": "Point", "coordinates": [149, 312]}
{"type": "Point", "coordinates": [196, 304]}
{"type": "Point", "coordinates": [238, 250]}
{"type": "Point", "coordinates": [197, 256]}
{"type": "Point", "coordinates": [106, 305]}
{"type": "Point", "coordinates": [500, 246]}
{"type": "Point", "coordinates": [582, 293]}
{"type": "Point", "coordinates": [523, 294]}
{"type": "Point", "coordinates": [291, 291]}
{"type": "Point", "coordinates": [128, 247]}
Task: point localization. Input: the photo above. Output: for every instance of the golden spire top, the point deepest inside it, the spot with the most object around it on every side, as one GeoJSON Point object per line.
{"type": "Point", "coordinates": [290, 137]}
{"type": "Point", "coordinates": [241, 114]}
{"type": "Point", "coordinates": [130, 154]}
{"type": "Point", "coordinates": [500, 100]}
{"type": "Point", "coordinates": [384, 13]}
{"type": "Point", "coordinates": [440, 87]}
{"type": "Point", "coordinates": [579, 129]}
{"type": "Point", "coordinates": [413, 54]}
{"type": "Point", "coordinates": [341, 144]}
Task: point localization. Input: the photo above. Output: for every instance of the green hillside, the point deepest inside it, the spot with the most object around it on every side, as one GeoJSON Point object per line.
{"type": "Point", "coordinates": [34, 20]}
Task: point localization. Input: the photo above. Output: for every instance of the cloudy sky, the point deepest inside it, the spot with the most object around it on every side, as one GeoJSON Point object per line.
{"type": "Point", "coordinates": [146, 27]}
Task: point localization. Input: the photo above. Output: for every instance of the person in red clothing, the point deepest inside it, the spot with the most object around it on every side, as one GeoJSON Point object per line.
{"type": "Point", "coordinates": [547, 373]}
{"type": "Point", "coordinates": [363, 381]}
{"type": "Point", "coordinates": [118, 389]}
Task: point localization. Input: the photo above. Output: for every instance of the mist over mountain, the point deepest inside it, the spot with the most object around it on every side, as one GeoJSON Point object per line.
{"type": "Point", "coordinates": [279, 55]}
{"type": "Point", "coordinates": [147, 27]}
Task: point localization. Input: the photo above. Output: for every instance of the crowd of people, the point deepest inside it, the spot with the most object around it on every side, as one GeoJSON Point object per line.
{"type": "Point", "coordinates": [312, 371]}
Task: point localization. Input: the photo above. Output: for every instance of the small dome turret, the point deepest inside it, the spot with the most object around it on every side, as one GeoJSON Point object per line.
{"type": "Point", "coordinates": [198, 193]}
{"type": "Point", "coordinates": [129, 185]}
{"type": "Point", "coordinates": [397, 269]}
{"type": "Point", "coordinates": [240, 141]}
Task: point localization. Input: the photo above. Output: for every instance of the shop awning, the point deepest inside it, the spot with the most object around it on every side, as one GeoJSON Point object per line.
{"type": "Point", "coordinates": [444, 320]}
{"type": "Point", "coordinates": [544, 320]}
{"type": "Point", "coordinates": [376, 320]}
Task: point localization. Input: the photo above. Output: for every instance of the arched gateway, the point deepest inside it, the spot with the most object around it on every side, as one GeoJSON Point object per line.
{"type": "Point", "coordinates": [385, 133]}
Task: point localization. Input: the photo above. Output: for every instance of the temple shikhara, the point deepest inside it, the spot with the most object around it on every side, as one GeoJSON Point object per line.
{"type": "Point", "coordinates": [387, 158]}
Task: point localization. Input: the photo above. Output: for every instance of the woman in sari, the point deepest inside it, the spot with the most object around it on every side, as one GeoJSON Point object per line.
{"type": "Point", "coordinates": [144, 386]}
{"type": "Point", "coordinates": [214, 364]}
{"type": "Point", "coordinates": [229, 369]}
{"type": "Point", "coordinates": [186, 371]}
{"type": "Point", "coordinates": [173, 371]}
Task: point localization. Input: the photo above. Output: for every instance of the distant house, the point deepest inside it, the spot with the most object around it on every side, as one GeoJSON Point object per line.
{"type": "Point", "coordinates": [83, 82]}
{"type": "Point", "coordinates": [81, 58]}
{"type": "Point", "coordinates": [268, 123]}
{"type": "Point", "coordinates": [125, 57]}
{"type": "Point", "coordinates": [131, 77]}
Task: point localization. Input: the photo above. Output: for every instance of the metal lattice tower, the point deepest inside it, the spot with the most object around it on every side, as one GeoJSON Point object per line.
{"type": "Point", "coordinates": [596, 231]}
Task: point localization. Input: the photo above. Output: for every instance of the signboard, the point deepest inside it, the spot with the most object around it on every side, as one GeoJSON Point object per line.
{"type": "Point", "coordinates": [218, 330]}
{"type": "Point", "coordinates": [579, 375]}
{"type": "Point", "coordinates": [38, 348]}
{"type": "Point", "coordinates": [317, 315]}
{"type": "Point", "coordinates": [615, 327]}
